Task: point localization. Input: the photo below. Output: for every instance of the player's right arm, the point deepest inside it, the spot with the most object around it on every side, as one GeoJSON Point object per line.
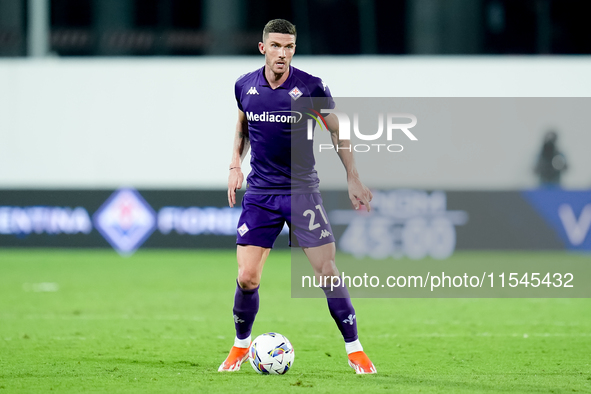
{"type": "Point", "coordinates": [239, 151]}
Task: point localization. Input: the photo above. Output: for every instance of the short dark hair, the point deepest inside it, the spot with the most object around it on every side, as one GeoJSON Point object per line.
{"type": "Point", "coordinates": [279, 26]}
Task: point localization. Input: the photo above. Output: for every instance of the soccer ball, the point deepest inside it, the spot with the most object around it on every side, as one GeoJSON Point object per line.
{"type": "Point", "coordinates": [271, 353]}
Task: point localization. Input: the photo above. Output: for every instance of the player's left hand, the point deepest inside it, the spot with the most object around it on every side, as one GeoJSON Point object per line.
{"type": "Point", "coordinates": [359, 193]}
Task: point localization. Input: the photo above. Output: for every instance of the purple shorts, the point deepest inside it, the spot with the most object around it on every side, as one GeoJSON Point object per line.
{"type": "Point", "coordinates": [263, 217]}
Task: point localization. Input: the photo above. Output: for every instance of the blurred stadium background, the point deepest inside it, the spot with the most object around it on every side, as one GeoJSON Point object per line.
{"type": "Point", "coordinates": [116, 122]}
{"type": "Point", "coordinates": [102, 94]}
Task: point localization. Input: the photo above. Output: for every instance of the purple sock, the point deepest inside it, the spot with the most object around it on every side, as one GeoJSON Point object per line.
{"type": "Point", "coordinates": [342, 311]}
{"type": "Point", "coordinates": [246, 306]}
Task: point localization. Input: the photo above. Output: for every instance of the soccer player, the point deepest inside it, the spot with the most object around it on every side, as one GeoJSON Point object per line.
{"type": "Point", "coordinates": [279, 190]}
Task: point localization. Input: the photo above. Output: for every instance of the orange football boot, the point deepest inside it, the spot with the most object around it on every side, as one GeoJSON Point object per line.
{"type": "Point", "coordinates": [237, 356]}
{"type": "Point", "coordinates": [361, 363]}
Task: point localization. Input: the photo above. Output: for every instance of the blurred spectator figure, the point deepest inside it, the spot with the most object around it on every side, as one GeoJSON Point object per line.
{"type": "Point", "coordinates": [551, 162]}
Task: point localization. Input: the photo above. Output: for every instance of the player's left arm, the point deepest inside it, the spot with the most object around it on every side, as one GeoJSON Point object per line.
{"type": "Point", "coordinates": [358, 192]}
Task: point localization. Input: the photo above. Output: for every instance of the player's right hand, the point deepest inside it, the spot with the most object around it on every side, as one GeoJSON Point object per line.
{"type": "Point", "coordinates": [234, 182]}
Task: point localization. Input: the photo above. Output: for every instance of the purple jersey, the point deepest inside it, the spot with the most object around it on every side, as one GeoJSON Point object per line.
{"type": "Point", "coordinates": [282, 158]}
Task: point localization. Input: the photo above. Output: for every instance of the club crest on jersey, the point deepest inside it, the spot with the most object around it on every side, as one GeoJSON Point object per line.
{"type": "Point", "coordinates": [295, 93]}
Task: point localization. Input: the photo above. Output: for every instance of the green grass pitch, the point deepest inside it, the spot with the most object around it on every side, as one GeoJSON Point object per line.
{"type": "Point", "coordinates": [161, 321]}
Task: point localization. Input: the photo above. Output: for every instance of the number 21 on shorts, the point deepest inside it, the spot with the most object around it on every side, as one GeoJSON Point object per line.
{"type": "Point", "coordinates": [312, 214]}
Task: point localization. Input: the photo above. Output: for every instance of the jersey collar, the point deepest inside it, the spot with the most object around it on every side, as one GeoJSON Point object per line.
{"type": "Point", "coordinates": [262, 81]}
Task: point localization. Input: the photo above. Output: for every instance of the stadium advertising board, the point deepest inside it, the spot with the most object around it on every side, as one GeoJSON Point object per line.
{"type": "Point", "coordinates": [124, 219]}
{"type": "Point", "coordinates": [404, 223]}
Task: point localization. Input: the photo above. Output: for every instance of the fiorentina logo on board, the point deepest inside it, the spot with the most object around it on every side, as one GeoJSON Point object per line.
{"type": "Point", "coordinates": [126, 220]}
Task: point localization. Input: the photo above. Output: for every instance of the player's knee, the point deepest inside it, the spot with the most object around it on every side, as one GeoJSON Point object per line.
{"type": "Point", "coordinates": [248, 281]}
{"type": "Point", "coordinates": [329, 268]}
